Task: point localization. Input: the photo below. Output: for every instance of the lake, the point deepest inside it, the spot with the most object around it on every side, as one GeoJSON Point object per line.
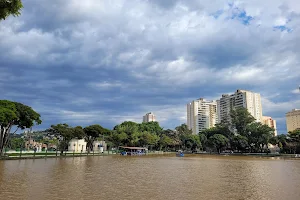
{"type": "Point", "coordinates": [151, 177]}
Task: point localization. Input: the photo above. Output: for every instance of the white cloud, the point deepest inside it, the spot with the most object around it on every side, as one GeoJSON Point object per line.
{"type": "Point", "coordinates": [282, 107]}
{"type": "Point", "coordinates": [281, 21]}
{"type": "Point", "coordinates": [106, 85]}
{"type": "Point", "coordinates": [162, 47]}
{"type": "Point", "coordinates": [81, 101]}
{"type": "Point", "coordinates": [296, 91]}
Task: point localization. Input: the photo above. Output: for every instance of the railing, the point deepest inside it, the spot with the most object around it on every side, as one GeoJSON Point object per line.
{"type": "Point", "coordinates": [42, 154]}
{"type": "Point", "coordinates": [12, 154]}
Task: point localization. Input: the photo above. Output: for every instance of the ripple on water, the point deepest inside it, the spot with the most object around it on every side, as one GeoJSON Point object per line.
{"type": "Point", "coordinates": [115, 177]}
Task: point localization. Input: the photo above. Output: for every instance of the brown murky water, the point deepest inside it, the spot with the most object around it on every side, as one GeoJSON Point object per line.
{"type": "Point", "coordinates": [161, 177]}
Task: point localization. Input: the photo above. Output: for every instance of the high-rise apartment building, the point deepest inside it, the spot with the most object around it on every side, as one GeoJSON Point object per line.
{"type": "Point", "coordinates": [201, 115]}
{"type": "Point", "coordinates": [149, 117]}
{"type": "Point", "coordinates": [270, 122]}
{"type": "Point", "coordinates": [293, 120]}
{"type": "Point", "coordinates": [241, 98]}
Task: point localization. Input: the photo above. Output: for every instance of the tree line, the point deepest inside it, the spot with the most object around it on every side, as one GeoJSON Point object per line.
{"type": "Point", "coordinates": [239, 132]}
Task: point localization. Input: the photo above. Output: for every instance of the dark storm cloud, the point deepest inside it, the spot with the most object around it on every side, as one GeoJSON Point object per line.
{"type": "Point", "coordinates": [106, 62]}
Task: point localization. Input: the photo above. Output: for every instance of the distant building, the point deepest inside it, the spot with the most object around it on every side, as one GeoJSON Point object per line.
{"type": "Point", "coordinates": [293, 120]}
{"type": "Point", "coordinates": [149, 117]}
{"type": "Point", "coordinates": [97, 145]}
{"type": "Point", "coordinates": [77, 145]}
{"type": "Point", "coordinates": [201, 115]}
{"type": "Point", "coordinates": [241, 98]}
{"type": "Point", "coordinates": [270, 122]}
{"type": "Point", "coordinates": [32, 144]}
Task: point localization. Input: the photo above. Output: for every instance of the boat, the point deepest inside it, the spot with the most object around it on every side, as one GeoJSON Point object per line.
{"type": "Point", "coordinates": [179, 153]}
{"type": "Point", "coordinates": [133, 151]}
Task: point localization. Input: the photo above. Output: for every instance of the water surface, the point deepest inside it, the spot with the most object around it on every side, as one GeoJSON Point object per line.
{"type": "Point", "coordinates": [148, 177]}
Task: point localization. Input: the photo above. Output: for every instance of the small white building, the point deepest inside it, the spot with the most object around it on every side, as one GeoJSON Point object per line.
{"type": "Point", "coordinates": [273, 148]}
{"type": "Point", "coordinates": [99, 146]}
{"type": "Point", "coordinates": [77, 145]}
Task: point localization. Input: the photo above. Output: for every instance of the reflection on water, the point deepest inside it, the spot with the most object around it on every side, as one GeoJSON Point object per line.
{"type": "Point", "coordinates": [115, 177]}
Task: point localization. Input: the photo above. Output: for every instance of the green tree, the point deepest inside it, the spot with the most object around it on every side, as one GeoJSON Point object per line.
{"type": "Point", "coordinates": [131, 129]}
{"type": "Point", "coordinates": [64, 133]}
{"type": "Point", "coordinates": [10, 7]}
{"type": "Point", "coordinates": [191, 142]}
{"type": "Point", "coordinates": [258, 136]}
{"type": "Point", "coordinates": [15, 114]}
{"type": "Point", "coordinates": [274, 140]}
{"type": "Point", "coordinates": [210, 132]}
{"type": "Point", "coordinates": [16, 143]}
{"type": "Point", "coordinates": [118, 138]}
{"type": "Point", "coordinates": [92, 132]}
{"type": "Point", "coordinates": [151, 127]}
{"type": "Point", "coordinates": [148, 139]}
{"type": "Point", "coordinates": [294, 141]}
{"type": "Point", "coordinates": [126, 124]}
{"type": "Point", "coordinates": [218, 141]}
{"type": "Point", "coordinates": [224, 129]}
{"type": "Point", "coordinates": [239, 143]}
{"type": "Point", "coordinates": [240, 119]}
{"type": "Point", "coordinates": [295, 135]}
{"type": "Point", "coordinates": [164, 142]}
{"type": "Point", "coordinates": [78, 132]}
{"type": "Point", "coordinates": [175, 137]}
{"type": "Point", "coordinates": [183, 129]}
{"type": "Point", "coordinates": [282, 142]}
{"type": "Point", "coordinates": [203, 140]}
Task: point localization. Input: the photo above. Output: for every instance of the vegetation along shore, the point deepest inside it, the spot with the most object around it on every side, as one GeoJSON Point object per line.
{"type": "Point", "coordinates": [240, 134]}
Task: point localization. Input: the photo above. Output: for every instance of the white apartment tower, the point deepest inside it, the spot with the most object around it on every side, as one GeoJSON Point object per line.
{"type": "Point", "coordinates": [201, 115]}
{"type": "Point", "coordinates": [149, 117]}
{"type": "Point", "coordinates": [241, 98]}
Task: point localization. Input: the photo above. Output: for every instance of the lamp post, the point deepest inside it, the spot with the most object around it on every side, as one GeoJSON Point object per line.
{"type": "Point", "coordinates": [74, 149]}
{"type": "Point", "coordinates": [20, 150]}
{"type": "Point", "coordinates": [47, 148]}
{"type": "Point", "coordinates": [103, 142]}
{"type": "Point", "coordinates": [56, 147]}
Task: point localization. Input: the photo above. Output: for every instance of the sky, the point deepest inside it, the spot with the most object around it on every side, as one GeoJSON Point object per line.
{"type": "Point", "coordinates": [105, 62]}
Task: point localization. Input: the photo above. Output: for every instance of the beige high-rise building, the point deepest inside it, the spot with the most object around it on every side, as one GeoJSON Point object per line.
{"type": "Point", "coordinates": [149, 117]}
{"type": "Point", "coordinates": [293, 120]}
{"type": "Point", "coordinates": [270, 122]}
{"type": "Point", "coordinates": [241, 98]}
{"type": "Point", "coordinates": [201, 115]}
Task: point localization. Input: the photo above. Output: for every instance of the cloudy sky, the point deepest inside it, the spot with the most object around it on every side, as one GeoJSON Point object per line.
{"type": "Point", "coordinates": [94, 61]}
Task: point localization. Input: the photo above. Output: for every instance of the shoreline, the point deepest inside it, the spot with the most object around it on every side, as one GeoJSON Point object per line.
{"type": "Point", "coordinates": [246, 154]}
{"type": "Point", "coordinates": [69, 155]}
{"type": "Point", "coordinates": [27, 156]}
